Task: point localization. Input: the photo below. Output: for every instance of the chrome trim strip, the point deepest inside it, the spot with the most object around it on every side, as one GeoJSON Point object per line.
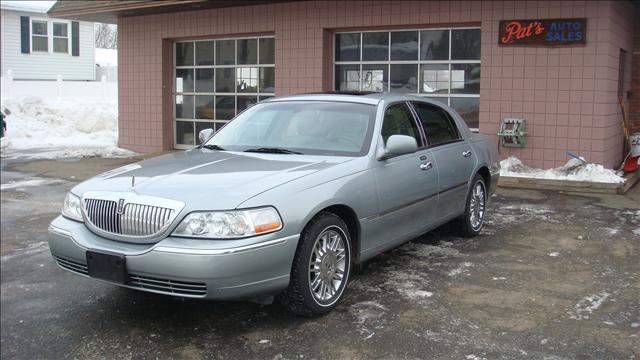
{"type": "Point", "coordinates": [226, 251]}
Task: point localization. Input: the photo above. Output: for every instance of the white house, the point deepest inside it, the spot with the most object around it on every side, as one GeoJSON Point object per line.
{"type": "Point", "coordinates": [34, 46]}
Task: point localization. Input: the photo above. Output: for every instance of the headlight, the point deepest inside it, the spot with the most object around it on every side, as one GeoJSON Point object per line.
{"type": "Point", "coordinates": [229, 224]}
{"type": "Point", "coordinates": [72, 208]}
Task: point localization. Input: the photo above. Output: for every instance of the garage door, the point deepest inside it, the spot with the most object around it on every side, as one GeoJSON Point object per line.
{"type": "Point", "coordinates": [216, 79]}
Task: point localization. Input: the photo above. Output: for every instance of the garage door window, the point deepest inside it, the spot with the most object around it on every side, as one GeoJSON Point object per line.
{"type": "Point", "coordinates": [442, 64]}
{"type": "Point", "coordinates": [216, 79]}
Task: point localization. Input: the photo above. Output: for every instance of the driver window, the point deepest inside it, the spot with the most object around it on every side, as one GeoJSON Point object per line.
{"type": "Point", "coordinates": [399, 121]}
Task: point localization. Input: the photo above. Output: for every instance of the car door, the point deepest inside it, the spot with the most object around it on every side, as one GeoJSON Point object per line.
{"type": "Point", "coordinates": [407, 184]}
{"type": "Point", "coordinates": [453, 157]}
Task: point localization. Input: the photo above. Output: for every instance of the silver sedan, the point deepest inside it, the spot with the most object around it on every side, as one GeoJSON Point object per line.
{"type": "Point", "coordinates": [282, 201]}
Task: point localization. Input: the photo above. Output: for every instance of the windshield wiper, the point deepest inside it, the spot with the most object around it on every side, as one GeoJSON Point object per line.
{"type": "Point", "coordinates": [273, 150]}
{"type": "Point", "coordinates": [212, 147]}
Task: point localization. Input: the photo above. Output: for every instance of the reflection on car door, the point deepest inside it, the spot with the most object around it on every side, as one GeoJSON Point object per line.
{"type": "Point", "coordinates": [453, 157]}
{"type": "Point", "coordinates": [407, 184]}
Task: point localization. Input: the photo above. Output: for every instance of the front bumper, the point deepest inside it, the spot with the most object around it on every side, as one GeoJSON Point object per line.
{"type": "Point", "coordinates": [212, 269]}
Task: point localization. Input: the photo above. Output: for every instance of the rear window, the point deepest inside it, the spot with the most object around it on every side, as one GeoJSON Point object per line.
{"type": "Point", "coordinates": [438, 126]}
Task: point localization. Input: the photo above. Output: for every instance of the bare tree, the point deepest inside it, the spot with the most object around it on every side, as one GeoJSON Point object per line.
{"type": "Point", "coordinates": [106, 36]}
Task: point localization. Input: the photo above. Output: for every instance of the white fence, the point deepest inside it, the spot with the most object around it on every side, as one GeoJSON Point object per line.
{"type": "Point", "coordinates": [68, 90]}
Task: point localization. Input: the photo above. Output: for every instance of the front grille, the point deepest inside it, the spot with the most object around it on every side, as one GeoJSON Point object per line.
{"type": "Point", "coordinates": [135, 220]}
{"type": "Point", "coordinates": [167, 286]}
{"type": "Point", "coordinates": [72, 266]}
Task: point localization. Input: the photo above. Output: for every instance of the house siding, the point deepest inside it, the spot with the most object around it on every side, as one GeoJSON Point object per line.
{"type": "Point", "coordinates": [45, 66]}
{"type": "Point", "coordinates": [568, 95]}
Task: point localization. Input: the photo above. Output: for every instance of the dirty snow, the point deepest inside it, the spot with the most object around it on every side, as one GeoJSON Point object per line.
{"type": "Point", "coordinates": [554, 254]}
{"type": "Point", "coordinates": [573, 170]}
{"type": "Point", "coordinates": [368, 316]}
{"type": "Point", "coordinates": [636, 231]}
{"type": "Point", "coordinates": [56, 127]}
{"type": "Point", "coordinates": [28, 183]}
{"type": "Point", "coordinates": [460, 269]}
{"type": "Point", "coordinates": [585, 306]}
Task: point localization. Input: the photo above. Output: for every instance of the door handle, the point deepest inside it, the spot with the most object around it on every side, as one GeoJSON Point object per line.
{"type": "Point", "coordinates": [466, 153]}
{"type": "Point", "coordinates": [426, 166]}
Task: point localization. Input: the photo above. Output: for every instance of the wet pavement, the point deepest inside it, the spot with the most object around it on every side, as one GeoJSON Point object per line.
{"type": "Point", "coordinates": [553, 276]}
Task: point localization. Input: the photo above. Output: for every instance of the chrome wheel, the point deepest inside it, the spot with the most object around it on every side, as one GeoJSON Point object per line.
{"type": "Point", "coordinates": [328, 265]}
{"type": "Point", "coordinates": [476, 206]}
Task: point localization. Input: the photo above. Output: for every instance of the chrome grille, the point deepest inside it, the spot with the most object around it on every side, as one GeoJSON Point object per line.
{"type": "Point", "coordinates": [72, 266]}
{"type": "Point", "coordinates": [167, 286]}
{"type": "Point", "coordinates": [135, 220]}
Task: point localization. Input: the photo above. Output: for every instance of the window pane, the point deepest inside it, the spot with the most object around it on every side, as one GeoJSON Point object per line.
{"type": "Point", "coordinates": [184, 54]}
{"type": "Point", "coordinates": [404, 45]}
{"type": "Point", "coordinates": [375, 46]}
{"type": "Point", "coordinates": [438, 126]}
{"type": "Point", "coordinates": [348, 47]}
{"type": "Point", "coordinates": [347, 77]}
{"type": "Point", "coordinates": [59, 29]}
{"type": "Point", "coordinates": [404, 78]}
{"type": "Point", "coordinates": [434, 45]}
{"type": "Point", "coordinates": [225, 52]}
{"type": "Point", "coordinates": [247, 79]}
{"type": "Point", "coordinates": [465, 44]}
{"type": "Point", "coordinates": [184, 106]}
{"type": "Point", "coordinates": [40, 43]}
{"type": "Point", "coordinates": [225, 80]}
{"type": "Point", "coordinates": [204, 80]}
{"type": "Point", "coordinates": [434, 78]}
{"type": "Point", "coordinates": [267, 80]}
{"type": "Point", "coordinates": [469, 109]}
{"type": "Point", "coordinates": [225, 107]}
{"type": "Point", "coordinates": [399, 121]}
{"type": "Point", "coordinates": [267, 51]}
{"type": "Point", "coordinates": [184, 80]}
{"type": "Point", "coordinates": [205, 108]}
{"type": "Point", "coordinates": [204, 53]}
{"type": "Point", "coordinates": [201, 126]}
{"type": "Point", "coordinates": [61, 45]}
{"type": "Point", "coordinates": [39, 28]}
{"type": "Point", "coordinates": [375, 77]}
{"type": "Point", "coordinates": [184, 133]}
{"type": "Point", "coordinates": [465, 78]}
{"type": "Point", "coordinates": [261, 98]}
{"type": "Point", "coordinates": [245, 101]}
{"type": "Point", "coordinates": [443, 100]}
{"type": "Point", "coordinates": [248, 51]}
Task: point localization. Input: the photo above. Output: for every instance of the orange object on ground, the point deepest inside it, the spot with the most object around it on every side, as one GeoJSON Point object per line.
{"type": "Point", "coordinates": [631, 164]}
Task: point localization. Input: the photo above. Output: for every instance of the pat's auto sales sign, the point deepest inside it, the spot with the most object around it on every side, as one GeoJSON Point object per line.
{"type": "Point", "coordinates": [543, 32]}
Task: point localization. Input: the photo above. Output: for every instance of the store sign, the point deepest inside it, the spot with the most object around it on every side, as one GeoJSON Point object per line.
{"type": "Point", "coordinates": [543, 32]}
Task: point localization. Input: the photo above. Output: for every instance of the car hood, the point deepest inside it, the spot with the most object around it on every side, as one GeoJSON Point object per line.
{"type": "Point", "coordinates": [205, 179]}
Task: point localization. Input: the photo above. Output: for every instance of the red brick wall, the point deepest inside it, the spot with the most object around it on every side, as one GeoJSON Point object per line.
{"type": "Point", "coordinates": [634, 102]}
{"type": "Point", "coordinates": [568, 95]}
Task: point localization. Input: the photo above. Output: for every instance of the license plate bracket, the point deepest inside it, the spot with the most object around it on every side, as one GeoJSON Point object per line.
{"type": "Point", "coordinates": [107, 266]}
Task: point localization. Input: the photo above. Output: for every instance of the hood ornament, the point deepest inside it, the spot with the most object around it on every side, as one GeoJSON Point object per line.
{"type": "Point", "coordinates": [133, 181]}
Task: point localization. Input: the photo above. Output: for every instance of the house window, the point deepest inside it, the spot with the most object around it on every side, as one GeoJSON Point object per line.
{"type": "Point", "coordinates": [441, 64]}
{"type": "Point", "coordinates": [60, 37]}
{"type": "Point", "coordinates": [217, 79]}
{"type": "Point", "coordinates": [39, 36]}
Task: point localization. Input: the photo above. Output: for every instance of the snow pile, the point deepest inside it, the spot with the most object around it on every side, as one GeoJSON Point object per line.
{"type": "Point", "coordinates": [59, 127]}
{"type": "Point", "coordinates": [106, 57]}
{"type": "Point", "coordinates": [573, 170]}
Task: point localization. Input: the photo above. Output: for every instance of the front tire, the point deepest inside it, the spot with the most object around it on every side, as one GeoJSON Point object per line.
{"type": "Point", "coordinates": [470, 224]}
{"type": "Point", "coordinates": [321, 267]}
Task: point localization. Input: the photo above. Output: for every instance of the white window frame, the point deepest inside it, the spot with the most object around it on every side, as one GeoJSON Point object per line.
{"type": "Point", "coordinates": [235, 93]}
{"type": "Point", "coordinates": [31, 35]}
{"type": "Point", "coordinates": [68, 37]}
{"type": "Point", "coordinates": [448, 96]}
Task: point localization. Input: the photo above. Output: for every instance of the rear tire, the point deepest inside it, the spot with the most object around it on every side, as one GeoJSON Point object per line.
{"type": "Point", "coordinates": [470, 224]}
{"type": "Point", "coordinates": [321, 267]}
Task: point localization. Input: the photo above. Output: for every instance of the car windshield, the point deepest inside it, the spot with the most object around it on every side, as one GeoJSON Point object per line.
{"type": "Point", "coordinates": [304, 127]}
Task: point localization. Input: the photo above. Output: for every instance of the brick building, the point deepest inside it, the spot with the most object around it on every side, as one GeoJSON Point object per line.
{"type": "Point", "coordinates": [188, 65]}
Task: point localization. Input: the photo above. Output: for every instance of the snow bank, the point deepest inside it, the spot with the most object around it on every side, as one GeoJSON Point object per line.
{"type": "Point", "coordinates": [58, 127]}
{"type": "Point", "coordinates": [106, 57]}
{"type": "Point", "coordinates": [573, 170]}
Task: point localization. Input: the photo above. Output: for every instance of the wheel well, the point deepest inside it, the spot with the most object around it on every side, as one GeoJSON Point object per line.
{"type": "Point", "coordinates": [486, 176]}
{"type": "Point", "coordinates": [351, 219]}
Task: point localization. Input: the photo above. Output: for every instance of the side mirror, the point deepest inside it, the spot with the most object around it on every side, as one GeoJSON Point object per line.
{"type": "Point", "coordinates": [204, 135]}
{"type": "Point", "coordinates": [399, 145]}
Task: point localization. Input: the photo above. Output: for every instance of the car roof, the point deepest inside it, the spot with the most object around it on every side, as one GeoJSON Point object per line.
{"type": "Point", "coordinates": [371, 98]}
